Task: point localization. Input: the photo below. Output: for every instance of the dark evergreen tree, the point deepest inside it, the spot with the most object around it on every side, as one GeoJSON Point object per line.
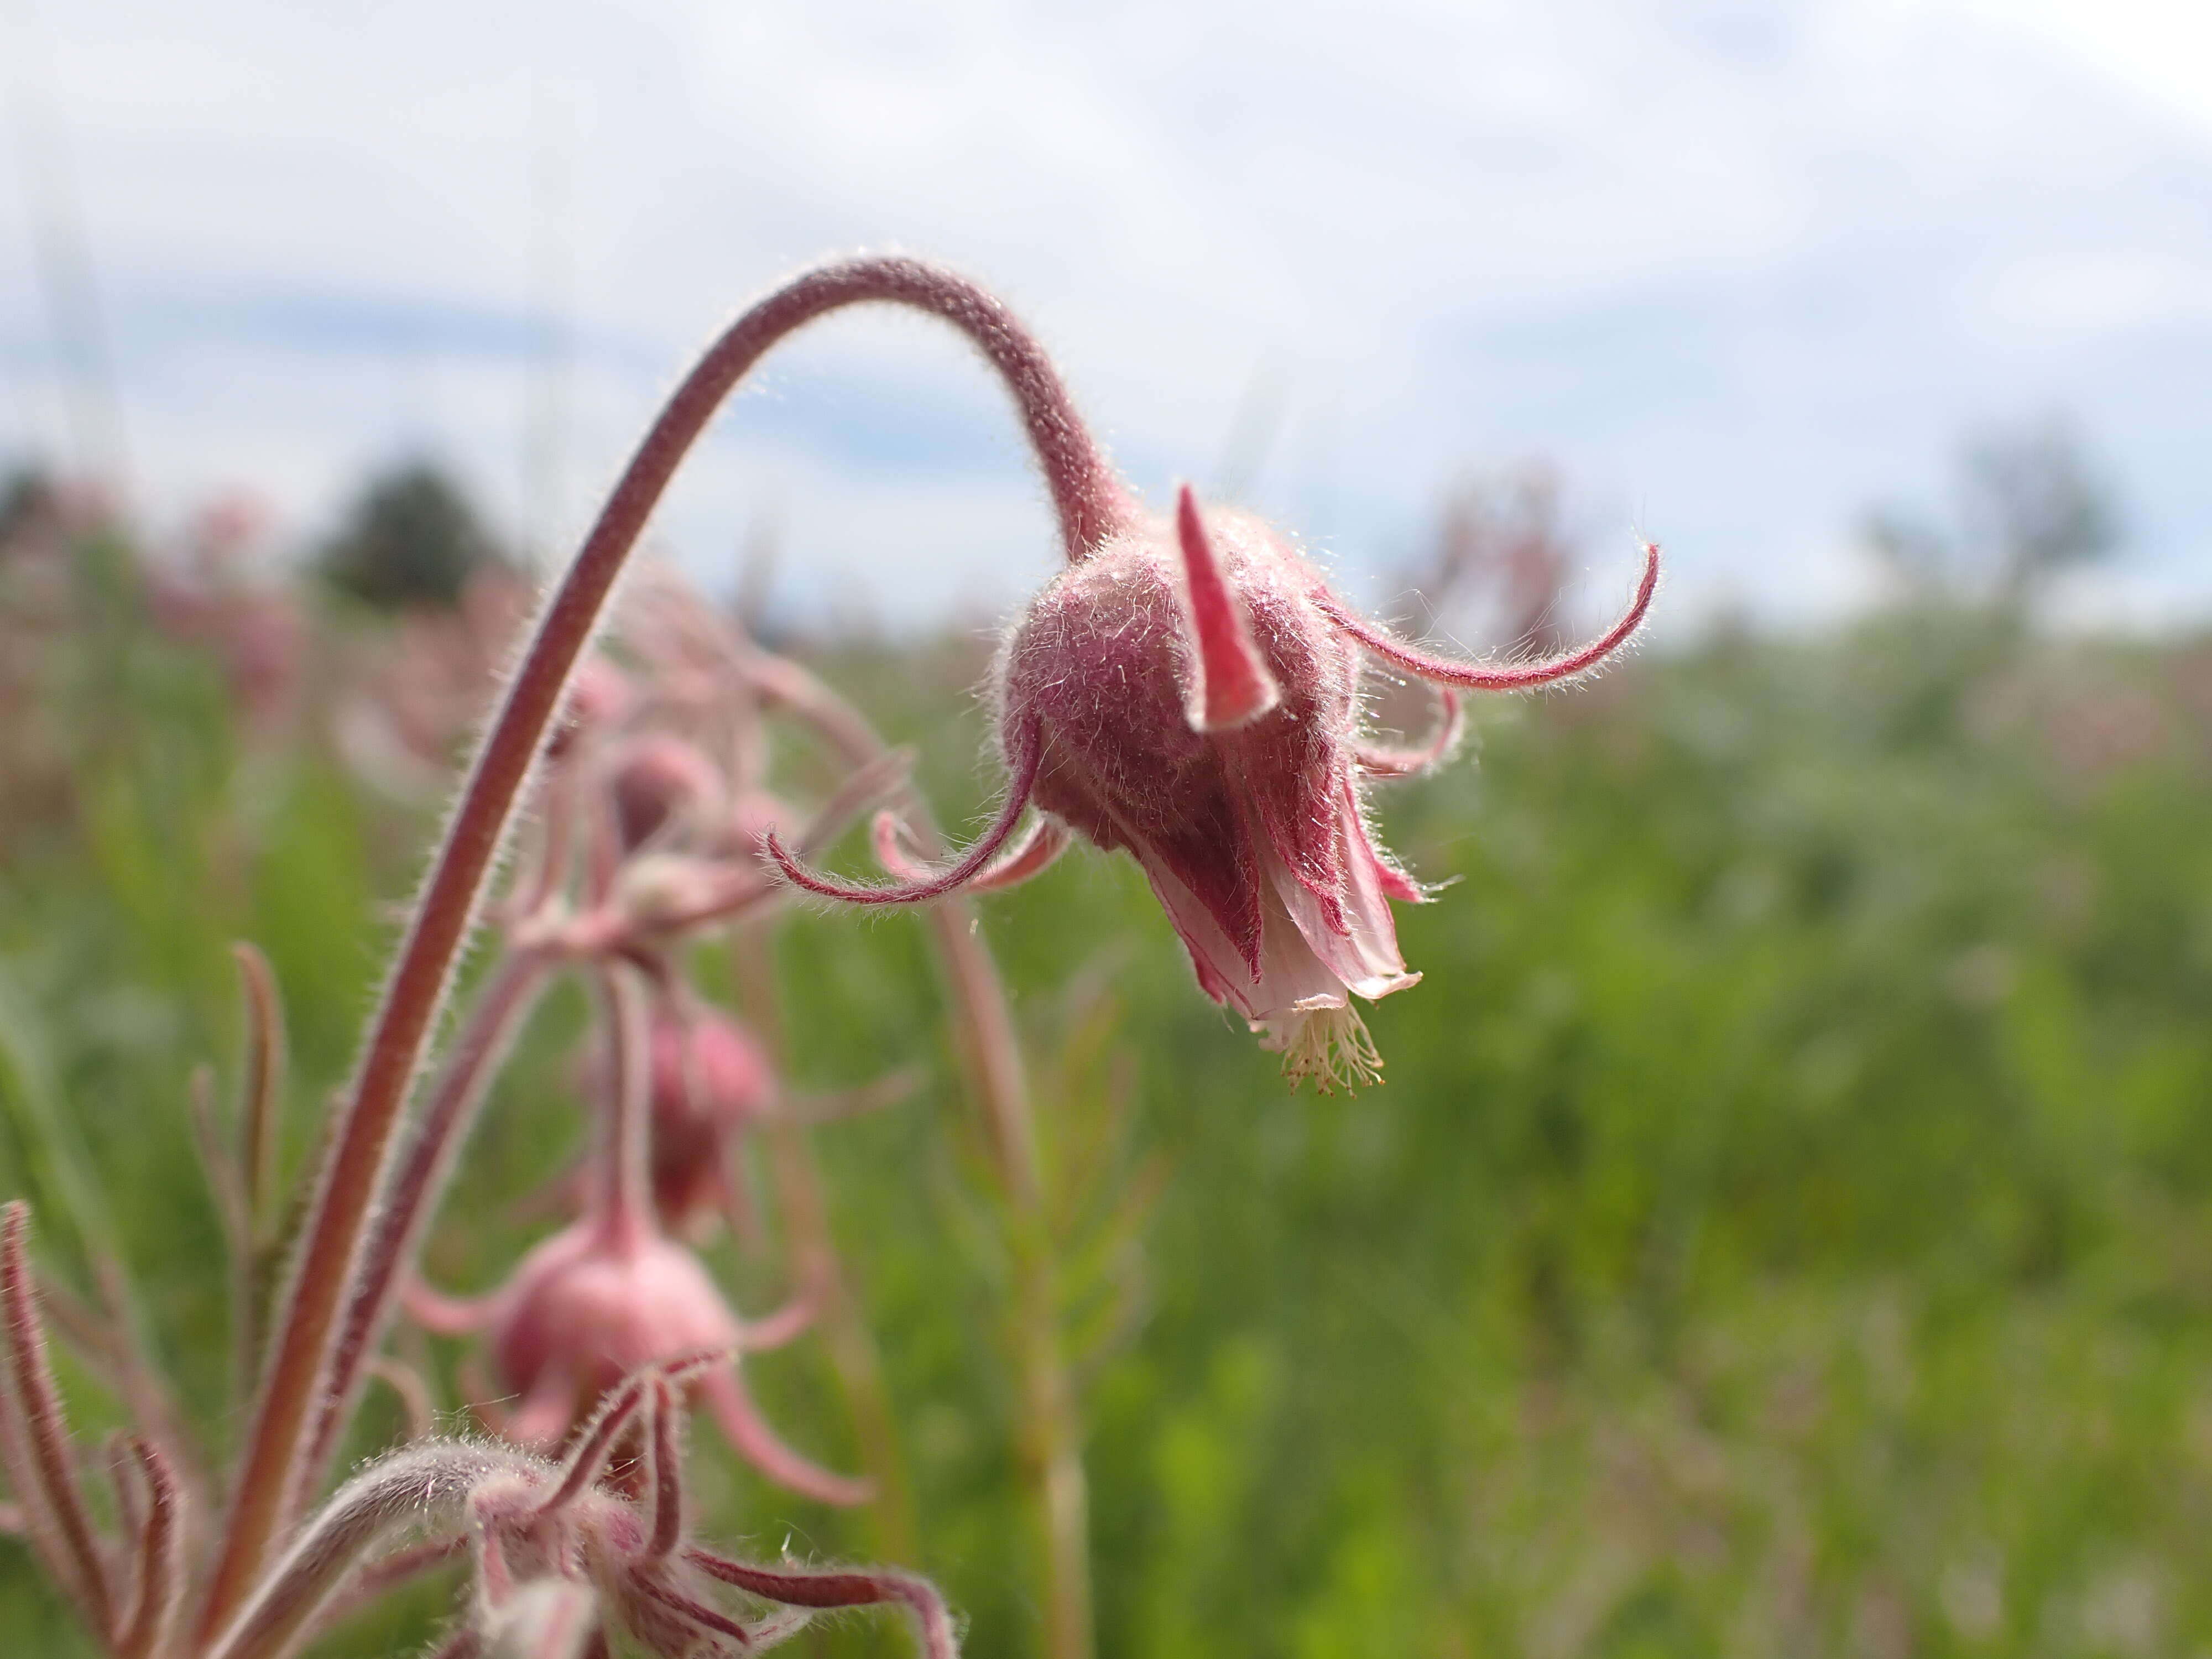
{"type": "Point", "coordinates": [412, 537]}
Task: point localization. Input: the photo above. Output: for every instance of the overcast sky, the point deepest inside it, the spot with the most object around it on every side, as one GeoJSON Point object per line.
{"type": "Point", "coordinates": [1741, 267]}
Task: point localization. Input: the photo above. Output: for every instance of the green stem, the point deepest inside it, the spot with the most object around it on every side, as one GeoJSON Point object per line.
{"type": "Point", "coordinates": [1051, 1429]}
{"type": "Point", "coordinates": [818, 1270]}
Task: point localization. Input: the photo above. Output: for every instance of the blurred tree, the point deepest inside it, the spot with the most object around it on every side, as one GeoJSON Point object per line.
{"type": "Point", "coordinates": [28, 499]}
{"type": "Point", "coordinates": [2030, 505]}
{"type": "Point", "coordinates": [412, 538]}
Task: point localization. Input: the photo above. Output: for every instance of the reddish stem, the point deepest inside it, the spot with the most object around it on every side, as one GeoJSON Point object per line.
{"type": "Point", "coordinates": [43, 1428]}
{"type": "Point", "coordinates": [623, 1192]}
{"type": "Point", "coordinates": [413, 1193]}
{"type": "Point", "coordinates": [158, 1584]}
{"type": "Point", "coordinates": [1091, 506]}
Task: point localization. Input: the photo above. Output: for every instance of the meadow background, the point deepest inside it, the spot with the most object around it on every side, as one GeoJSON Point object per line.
{"type": "Point", "coordinates": [1785, 1228]}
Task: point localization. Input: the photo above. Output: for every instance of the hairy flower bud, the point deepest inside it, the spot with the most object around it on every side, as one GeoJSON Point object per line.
{"type": "Point", "coordinates": [661, 781]}
{"type": "Point", "coordinates": [592, 1304]}
{"type": "Point", "coordinates": [711, 1082]}
{"type": "Point", "coordinates": [1189, 693]}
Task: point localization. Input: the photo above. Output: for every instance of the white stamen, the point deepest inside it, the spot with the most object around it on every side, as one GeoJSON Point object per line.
{"type": "Point", "coordinates": [1329, 1044]}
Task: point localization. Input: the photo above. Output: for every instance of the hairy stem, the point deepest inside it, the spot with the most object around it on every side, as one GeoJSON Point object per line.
{"type": "Point", "coordinates": [411, 1197]}
{"type": "Point", "coordinates": [423, 1486]}
{"type": "Point", "coordinates": [47, 1474]}
{"type": "Point", "coordinates": [1091, 505]}
{"type": "Point", "coordinates": [622, 1192]}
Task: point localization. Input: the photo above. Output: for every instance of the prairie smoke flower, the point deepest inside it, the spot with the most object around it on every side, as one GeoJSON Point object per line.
{"type": "Point", "coordinates": [611, 1294]}
{"type": "Point", "coordinates": [1189, 694]}
{"type": "Point", "coordinates": [593, 1303]}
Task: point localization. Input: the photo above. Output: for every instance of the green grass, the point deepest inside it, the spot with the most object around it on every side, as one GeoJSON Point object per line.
{"type": "Point", "coordinates": [1787, 1228]}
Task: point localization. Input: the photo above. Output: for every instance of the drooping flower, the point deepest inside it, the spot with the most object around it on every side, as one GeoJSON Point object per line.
{"type": "Point", "coordinates": [611, 1293]}
{"type": "Point", "coordinates": [591, 1305]}
{"type": "Point", "coordinates": [1189, 694]}
{"type": "Point", "coordinates": [659, 784]}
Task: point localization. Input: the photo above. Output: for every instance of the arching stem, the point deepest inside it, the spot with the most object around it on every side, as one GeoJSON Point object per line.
{"type": "Point", "coordinates": [1091, 505]}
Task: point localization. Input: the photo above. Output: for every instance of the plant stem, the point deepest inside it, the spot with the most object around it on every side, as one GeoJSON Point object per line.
{"type": "Point", "coordinates": [412, 1192]}
{"type": "Point", "coordinates": [1091, 504]}
{"type": "Point", "coordinates": [990, 1054]}
{"type": "Point", "coordinates": [817, 1269]}
{"type": "Point", "coordinates": [1052, 1431]}
{"type": "Point", "coordinates": [621, 1208]}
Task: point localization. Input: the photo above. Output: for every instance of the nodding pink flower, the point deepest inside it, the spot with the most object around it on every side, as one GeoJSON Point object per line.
{"type": "Point", "coordinates": [1189, 694]}
{"type": "Point", "coordinates": [661, 781]}
{"type": "Point", "coordinates": [611, 1293]}
{"type": "Point", "coordinates": [592, 1304]}
{"type": "Point", "coordinates": [711, 1084]}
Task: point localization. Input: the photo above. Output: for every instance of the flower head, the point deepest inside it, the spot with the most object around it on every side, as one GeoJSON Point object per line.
{"type": "Point", "coordinates": [591, 1305]}
{"type": "Point", "coordinates": [1190, 694]}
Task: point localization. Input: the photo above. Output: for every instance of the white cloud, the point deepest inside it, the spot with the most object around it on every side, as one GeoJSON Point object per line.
{"type": "Point", "coordinates": [1746, 265]}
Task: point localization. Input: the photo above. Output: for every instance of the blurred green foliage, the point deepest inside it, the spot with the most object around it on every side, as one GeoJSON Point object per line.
{"type": "Point", "coordinates": [1787, 1227]}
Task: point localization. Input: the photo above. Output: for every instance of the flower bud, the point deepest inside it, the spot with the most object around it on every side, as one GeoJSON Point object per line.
{"type": "Point", "coordinates": [711, 1084]}
{"type": "Point", "coordinates": [661, 783]}
{"type": "Point", "coordinates": [595, 1303]}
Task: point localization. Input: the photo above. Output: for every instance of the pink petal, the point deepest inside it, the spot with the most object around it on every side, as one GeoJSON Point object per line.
{"type": "Point", "coordinates": [1363, 955]}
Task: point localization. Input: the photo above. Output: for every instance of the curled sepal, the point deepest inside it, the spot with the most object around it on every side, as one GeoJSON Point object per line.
{"type": "Point", "coordinates": [792, 1585]}
{"type": "Point", "coordinates": [1232, 686]}
{"type": "Point", "coordinates": [1026, 748]}
{"type": "Point", "coordinates": [661, 893]}
{"type": "Point", "coordinates": [1044, 841]}
{"type": "Point", "coordinates": [1491, 677]}
{"type": "Point", "coordinates": [640, 1395]}
{"type": "Point", "coordinates": [1451, 726]}
{"type": "Point", "coordinates": [611, 1527]}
